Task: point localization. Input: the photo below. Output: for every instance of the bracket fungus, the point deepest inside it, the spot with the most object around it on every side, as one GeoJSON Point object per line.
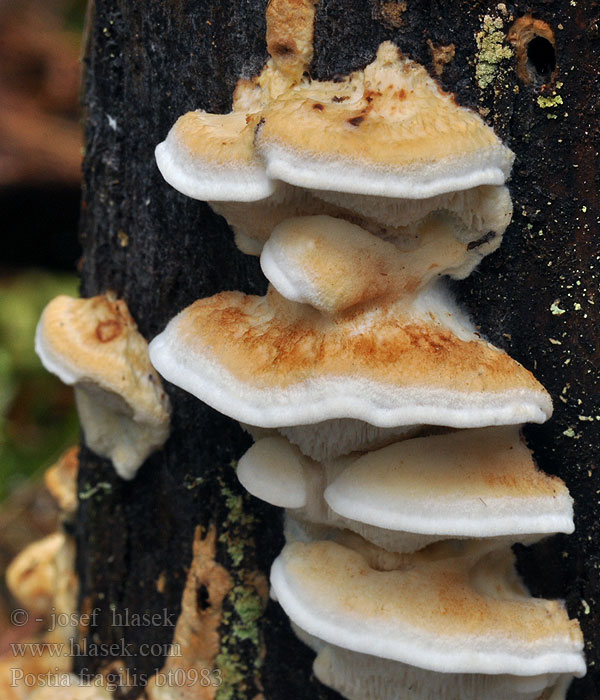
{"type": "Point", "coordinates": [399, 135]}
{"type": "Point", "coordinates": [388, 131]}
{"type": "Point", "coordinates": [43, 579]}
{"type": "Point", "coordinates": [466, 614]}
{"type": "Point", "coordinates": [31, 576]}
{"type": "Point", "coordinates": [194, 161]}
{"type": "Point", "coordinates": [479, 483]}
{"type": "Point", "coordinates": [359, 195]}
{"type": "Point", "coordinates": [94, 345]}
{"type": "Point", "coordinates": [270, 362]}
{"type": "Point", "coordinates": [334, 265]}
{"type": "Point", "coordinates": [384, 146]}
{"type": "Point", "coordinates": [359, 676]}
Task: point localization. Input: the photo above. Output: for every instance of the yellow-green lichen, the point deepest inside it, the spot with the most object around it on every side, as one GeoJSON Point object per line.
{"type": "Point", "coordinates": [89, 490]}
{"type": "Point", "coordinates": [233, 672]}
{"type": "Point", "coordinates": [545, 102]}
{"type": "Point", "coordinates": [548, 102]}
{"type": "Point", "coordinates": [238, 522]}
{"type": "Point", "coordinates": [241, 650]}
{"type": "Point", "coordinates": [492, 50]}
{"type": "Point", "coordinates": [248, 607]}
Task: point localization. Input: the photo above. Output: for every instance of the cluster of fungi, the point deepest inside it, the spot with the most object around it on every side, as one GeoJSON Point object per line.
{"type": "Point", "coordinates": [384, 424]}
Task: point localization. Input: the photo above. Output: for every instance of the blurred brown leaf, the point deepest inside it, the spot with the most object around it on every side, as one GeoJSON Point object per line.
{"type": "Point", "coordinates": [40, 135]}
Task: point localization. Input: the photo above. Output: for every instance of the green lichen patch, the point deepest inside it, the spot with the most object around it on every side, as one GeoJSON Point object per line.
{"type": "Point", "coordinates": [233, 674]}
{"type": "Point", "coordinates": [237, 524]}
{"type": "Point", "coordinates": [551, 101]}
{"type": "Point", "coordinates": [545, 102]}
{"type": "Point", "coordinates": [89, 491]}
{"type": "Point", "coordinates": [248, 607]}
{"type": "Point", "coordinates": [242, 650]}
{"type": "Point", "coordinates": [492, 50]}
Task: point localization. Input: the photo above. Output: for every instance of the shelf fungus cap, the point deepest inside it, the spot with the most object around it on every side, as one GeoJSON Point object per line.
{"type": "Point", "coordinates": [211, 157]}
{"type": "Point", "coordinates": [472, 483]}
{"type": "Point", "coordinates": [334, 265]}
{"type": "Point", "coordinates": [94, 345]}
{"type": "Point", "coordinates": [479, 483]}
{"type": "Point", "coordinates": [273, 471]}
{"type": "Point", "coordinates": [451, 615]}
{"type": "Point", "coordinates": [272, 363]}
{"type": "Point", "coordinates": [402, 137]}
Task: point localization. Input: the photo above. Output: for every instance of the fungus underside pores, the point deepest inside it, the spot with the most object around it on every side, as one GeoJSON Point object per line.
{"type": "Point", "coordinates": [385, 425]}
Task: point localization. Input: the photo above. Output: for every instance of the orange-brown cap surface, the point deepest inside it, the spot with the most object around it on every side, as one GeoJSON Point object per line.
{"type": "Point", "coordinates": [95, 345]}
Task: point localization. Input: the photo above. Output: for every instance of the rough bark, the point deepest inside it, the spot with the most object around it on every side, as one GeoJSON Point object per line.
{"type": "Point", "coordinates": [147, 63]}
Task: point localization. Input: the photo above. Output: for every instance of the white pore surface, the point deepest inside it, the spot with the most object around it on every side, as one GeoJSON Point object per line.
{"type": "Point", "coordinates": [365, 677]}
{"type": "Point", "coordinates": [492, 654]}
{"type": "Point", "coordinates": [477, 210]}
{"type": "Point", "coordinates": [321, 398]}
{"type": "Point", "coordinates": [341, 436]}
{"type": "Point", "coordinates": [489, 167]}
{"type": "Point", "coordinates": [205, 180]}
{"type": "Point", "coordinates": [112, 432]}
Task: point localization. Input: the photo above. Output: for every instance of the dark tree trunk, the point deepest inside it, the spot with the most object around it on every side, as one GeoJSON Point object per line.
{"type": "Point", "coordinates": [147, 63]}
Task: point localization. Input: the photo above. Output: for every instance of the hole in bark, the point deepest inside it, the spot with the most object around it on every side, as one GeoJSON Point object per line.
{"type": "Point", "coordinates": [541, 57]}
{"type": "Point", "coordinates": [535, 50]}
{"type": "Point", "coordinates": [202, 598]}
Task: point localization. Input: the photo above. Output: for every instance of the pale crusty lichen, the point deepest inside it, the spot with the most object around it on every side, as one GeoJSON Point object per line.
{"type": "Point", "coordinates": [492, 50]}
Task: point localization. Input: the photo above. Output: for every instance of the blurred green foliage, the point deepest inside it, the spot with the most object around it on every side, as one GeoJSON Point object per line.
{"type": "Point", "coordinates": [37, 415]}
{"type": "Point", "coordinates": [74, 14]}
